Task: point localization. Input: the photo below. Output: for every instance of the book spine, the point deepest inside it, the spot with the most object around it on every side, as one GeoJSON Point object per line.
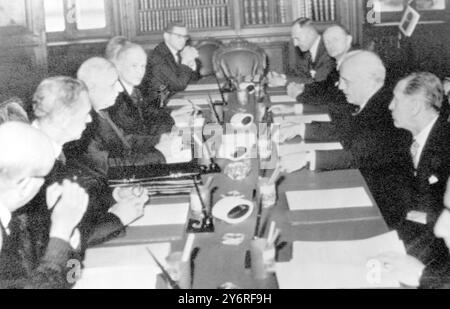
{"type": "Point", "coordinates": [266, 11]}
{"type": "Point", "coordinates": [321, 10]}
{"type": "Point", "coordinates": [260, 11]}
{"type": "Point", "coordinates": [333, 10]}
{"type": "Point", "coordinates": [246, 12]}
{"type": "Point", "coordinates": [253, 12]}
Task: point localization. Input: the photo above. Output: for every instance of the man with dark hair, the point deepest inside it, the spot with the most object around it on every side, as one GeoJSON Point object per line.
{"type": "Point", "coordinates": [416, 108]}
{"type": "Point", "coordinates": [172, 65]}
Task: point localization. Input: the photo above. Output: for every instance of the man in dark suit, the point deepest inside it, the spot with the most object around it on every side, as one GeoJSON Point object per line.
{"type": "Point", "coordinates": [25, 161]}
{"type": "Point", "coordinates": [131, 112]}
{"type": "Point", "coordinates": [412, 272]}
{"type": "Point", "coordinates": [171, 66]}
{"type": "Point", "coordinates": [370, 141]}
{"type": "Point", "coordinates": [314, 65]}
{"type": "Point", "coordinates": [417, 108]}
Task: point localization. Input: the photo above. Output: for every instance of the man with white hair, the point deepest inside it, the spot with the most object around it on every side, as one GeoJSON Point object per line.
{"type": "Point", "coordinates": [371, 142]}
{"type": "Point", "coordinates": [133, 114]}
{"type": "Point", "coordinates": [24, 163]}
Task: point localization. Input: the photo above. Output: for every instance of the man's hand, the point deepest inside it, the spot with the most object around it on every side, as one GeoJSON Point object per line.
{"type": "Point", "coordinates": [282, 109]}
{"type": "Point", "coordinates": [188, 56]}
{"type": "Point", "coordinates": [276, 80]}
{"type": "Point", "coordinates": [130, 208]}
{"type": "Point", "coordinates": [294, 90]}
{"type": "Point", "coordinates": [293, 162]}
{"type": "Point", "coordinates": [69, 209]}
{"type": "Point", "coordinates": [404, 268]}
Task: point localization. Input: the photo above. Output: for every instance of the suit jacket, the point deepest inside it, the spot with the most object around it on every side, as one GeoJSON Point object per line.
{"type": "Point", "coordinates": [136, 117]}
{"type": "Point", "coordinates": [424, 190]}
{"type": "Point", "coordinates": [163, 70]}
{"type": "Point", "coordinates": [372, 144]}
{"type": "Point", "coordinates": [323, 65]}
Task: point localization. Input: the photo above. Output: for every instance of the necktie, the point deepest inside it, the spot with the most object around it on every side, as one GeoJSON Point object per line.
{"type": "Point", "coordinates": [414, 153]}
{"type": "Point", "coordinates": [178, 57]}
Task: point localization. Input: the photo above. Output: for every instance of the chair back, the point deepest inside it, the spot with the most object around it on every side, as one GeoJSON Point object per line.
{"type": "Point", "coordinates": [240, 60]}
{"type": "Point", "coordinates": [206, 49]}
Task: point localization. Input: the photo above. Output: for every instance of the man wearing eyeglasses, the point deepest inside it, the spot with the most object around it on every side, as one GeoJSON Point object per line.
{"type": "Point", "coordinates": [172, 65]}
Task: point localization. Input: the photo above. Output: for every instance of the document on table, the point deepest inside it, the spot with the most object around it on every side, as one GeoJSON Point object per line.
{"type": "Point", "coordinates": [188, 102]}
{"type": "Point", "coordinates": [302, 118]}
{"type": "Point", "coordinates": [168, 214]}
{"type": "Point", "coordinates": [286, 149]}
{"type": "Point", "coordinates": [202, 87]}
{"type": "Point", "coordinates": [328, 199]}
{"type": "Point", "coordinates": [125, 267]}
{"type": "Point", "coordinates": [340, 264]}
{"type": "Point", "coordinates": [282, 99]}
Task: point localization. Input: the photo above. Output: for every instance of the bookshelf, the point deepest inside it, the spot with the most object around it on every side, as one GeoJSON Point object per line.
{"type": "Point", "coordinates": [154, 15]}
{"type": "Point", "coordinates": [273, 12]}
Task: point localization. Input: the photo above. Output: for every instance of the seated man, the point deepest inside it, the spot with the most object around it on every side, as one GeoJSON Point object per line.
{"type": "Point", "coordinates": [171, 66]}
{"type": "Point", "coordinates": [414, 273]}
{"type": "Point", "coordinates": [416, 107]}
{"type": "Point", "coordinates": [314, 65]}
{"type": "Point", "coordinates": [62, 109]}
{"type": "Point", "coordinates": [131, 113]}
{"type": "Point", "coordinates": [24, 162]}
{"type": "Point", "coordinates": [338, 43]}
{"type": "Point", "coordinates": [369, 138]}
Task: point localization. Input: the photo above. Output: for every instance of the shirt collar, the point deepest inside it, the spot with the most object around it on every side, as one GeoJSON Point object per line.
{"type": "Point", "coordinates": [57, 148]}
{"type": "Point", "coordinates": [127, 87]}
{"type": "Point", "coordinates": [5, 217]}
{"type": "Point", "coordinates": [173, 52]}
{"type": "Point", "coordinates": [422, 137]}
{"type": "Point", "coordinates": [315, 48]}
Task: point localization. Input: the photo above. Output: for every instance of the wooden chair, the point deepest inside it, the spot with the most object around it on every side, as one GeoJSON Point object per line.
{"type": "Point", "coordinates": [206, 49]}
{"type": "Point", "coordinates": [240, 60]}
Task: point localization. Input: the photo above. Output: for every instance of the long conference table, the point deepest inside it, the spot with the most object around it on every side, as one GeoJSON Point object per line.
{"type": "Point", "coordinates": [215, 264]}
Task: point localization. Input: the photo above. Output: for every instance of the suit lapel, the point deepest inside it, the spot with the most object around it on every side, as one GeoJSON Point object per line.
{"type": "Point", "coordinates": [429, 160]}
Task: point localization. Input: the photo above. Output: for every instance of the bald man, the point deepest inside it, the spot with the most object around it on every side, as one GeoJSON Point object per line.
{"type": "Point", "coordinates": [371, 142]}
{"type": "Point", "coordinates": [28, 158]}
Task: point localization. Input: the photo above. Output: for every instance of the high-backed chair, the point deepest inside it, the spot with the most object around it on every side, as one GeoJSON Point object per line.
{"type": "Point", "coordinates": [206, 49]}
{"type": "Point", "coordinates": [240, 60]}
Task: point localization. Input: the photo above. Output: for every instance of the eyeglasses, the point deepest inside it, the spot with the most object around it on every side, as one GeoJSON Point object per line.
{"type": "Point", "coordinates": [181, 36]}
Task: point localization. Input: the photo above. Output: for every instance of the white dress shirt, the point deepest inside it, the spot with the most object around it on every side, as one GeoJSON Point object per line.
{"type": "Point", "coordinates": [5, 218]}
{"type": "Point", "coordinates": [421, 139]}
{"type": "Point", "coordinates": [315, 49]}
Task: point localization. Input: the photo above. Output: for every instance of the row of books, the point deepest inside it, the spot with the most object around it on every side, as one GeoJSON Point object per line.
{"type": "Point", "coordinates": [257, 12]}
{"type": "Point", "coordinates": [317, 10]}
{"type": "Point", "coordinates": [195, 18]}
{"type": "Point", "coordinates": [145, 5]}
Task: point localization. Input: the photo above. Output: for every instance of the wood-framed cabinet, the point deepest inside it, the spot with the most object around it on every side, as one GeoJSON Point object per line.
{"type": "Point", "coordinates": [23, 53]}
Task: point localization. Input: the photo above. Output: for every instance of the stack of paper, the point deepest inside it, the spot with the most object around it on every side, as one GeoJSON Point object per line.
{"type": "Point", "coordinates": [287, 149]}
{"type": "Point", "coordinates": [302, 118]}
{"type": "Point", "coordinates": [328, 199]}
{"type": "Point", "coordinates": [282, 99]}
{"type": "Point", "coordinates": [157, 215]}
{"type": "Point", "coordinates": [340, 264]}
{"type": "Point", "coordinates": [127, 267]}
{"type": "Point", "coordinates": [202, 87]}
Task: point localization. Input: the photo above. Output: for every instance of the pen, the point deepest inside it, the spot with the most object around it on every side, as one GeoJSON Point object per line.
{"type": "Point", "coordinates": [172, 283]}
{"type": "Point", "coordinates": [258, 219]}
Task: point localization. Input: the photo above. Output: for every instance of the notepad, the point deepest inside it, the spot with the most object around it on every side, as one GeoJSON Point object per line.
{"type": "Point", "coordinates": [187, 102]}
{"type": "Point", "coordinates": [282, 99]}
{"type": "Point", "coordinates": [328, 199]}
{"type": "Point", "coordinates": [340, 264]}
{"type": "Point", "coordinates": [302, 118]}
{"type": "Point", "coordinates": [202, 87]}
{"type": "Point", "coordinates": [168, 214]}
{"type": "Point", "coordinates": [287, 149]}
{"type": "Point", "coordinates": [126, 267]}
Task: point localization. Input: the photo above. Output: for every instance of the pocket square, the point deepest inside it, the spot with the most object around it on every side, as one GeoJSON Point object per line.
{"type": "Point", "coordinates": [417, 217]}
{"type": "Point", "coordinates": [432, 180]}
